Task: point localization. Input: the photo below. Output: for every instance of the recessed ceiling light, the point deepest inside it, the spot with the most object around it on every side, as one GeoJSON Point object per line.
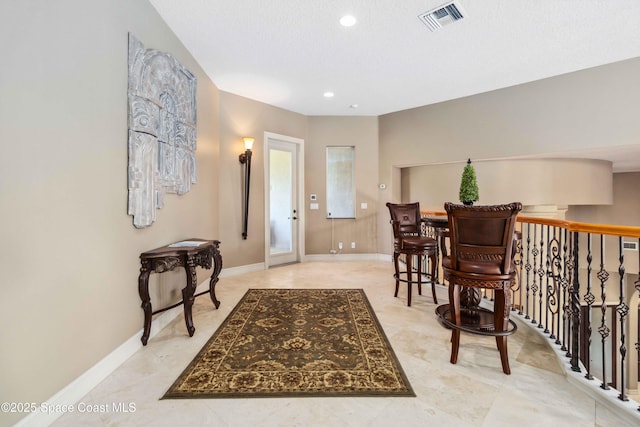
{"type": "Point", "coordinates": [348, 21]}
{"type": "Point", "coordinates": [329, 94]}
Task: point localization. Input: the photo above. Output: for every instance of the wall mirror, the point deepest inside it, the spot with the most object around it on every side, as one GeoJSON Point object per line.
{"type": "Point", "coordinates": [340, 182]}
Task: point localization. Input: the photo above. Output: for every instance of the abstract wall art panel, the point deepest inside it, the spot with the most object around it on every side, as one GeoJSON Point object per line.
{"type": "Point", "coordinates": [162, 130]}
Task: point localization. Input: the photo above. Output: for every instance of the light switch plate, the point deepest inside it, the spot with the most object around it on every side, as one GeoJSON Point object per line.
{"type": "Point", "coordinates": [364, 205]}
{"type": "Point", "coordinates": [314, 206]}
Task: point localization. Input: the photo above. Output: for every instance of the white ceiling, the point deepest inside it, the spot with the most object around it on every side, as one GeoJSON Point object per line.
{"type": "Point", "coordinates": [288, 53]}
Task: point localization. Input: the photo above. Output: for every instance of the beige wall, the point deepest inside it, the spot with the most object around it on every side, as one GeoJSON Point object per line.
{"type": "Point", "coordinates": [240, 117]}
{"type": "Point", "coordinates": [532, 182]}
{"type": "Point", "coordinates": [362, 133]}
{"type": "Point", "coordinates": [69, 253]}
{"type": "Point", "coordinates": [597, 107]}
{"type": "Point", "coordinates": [244, 117]}
{"type": "Point", "coordinates": [69, 257]}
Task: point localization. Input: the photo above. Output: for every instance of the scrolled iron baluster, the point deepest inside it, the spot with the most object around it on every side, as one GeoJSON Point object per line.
{"type": "Point", "coordinates": [589, 298]}
{"type": "Point", "coordinates": [575, 308]}
{"type": "Point", "coordinates": [572, 261]}
{"type": "Point", "coordinates": [552, 288]}
{"type": "Point", "coordinates": [604, 330]}
{"type": "Point", "coordinates": [548, 274]}
{"type": "Point", "coordinates": [564, 282]}
{"type": "Point", "coordinates": [541, 271]}
{"type": "Point", "coordinates": [534, 286]}
{"type": "Point", "coordinates": [425, 231]}
{"type": "Point", "coordinates": [623, 311]}
{"type": "Point", "coordinates": [518, 263]}
{"type": "Point", "coordinates": [527, 267]}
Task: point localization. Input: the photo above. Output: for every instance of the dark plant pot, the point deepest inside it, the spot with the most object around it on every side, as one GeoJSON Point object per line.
{"type": "Point", "coordinates": [468, 202]}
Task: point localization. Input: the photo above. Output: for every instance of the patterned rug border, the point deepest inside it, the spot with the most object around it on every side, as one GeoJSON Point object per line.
{"type": "Point", "coordinates": [230, 395]}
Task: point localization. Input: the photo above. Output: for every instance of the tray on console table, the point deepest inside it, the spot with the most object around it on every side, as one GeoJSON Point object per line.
{"type": "Point", "coordinates": [188, 254]}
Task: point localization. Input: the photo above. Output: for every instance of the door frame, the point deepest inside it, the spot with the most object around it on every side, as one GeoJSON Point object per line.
{"type": "Point", "coordinates": [268, 137]}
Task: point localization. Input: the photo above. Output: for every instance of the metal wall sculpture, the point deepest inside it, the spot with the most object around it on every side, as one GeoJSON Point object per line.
{"type": "Point", "coordinates": [162, 130]}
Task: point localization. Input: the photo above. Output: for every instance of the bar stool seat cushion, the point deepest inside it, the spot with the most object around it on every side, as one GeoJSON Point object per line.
{"type": "Point", "coordinates": [416, 242]}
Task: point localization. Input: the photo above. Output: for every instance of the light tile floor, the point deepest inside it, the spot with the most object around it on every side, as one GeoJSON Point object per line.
{"type": "Point", "coordinates": [474, 392]}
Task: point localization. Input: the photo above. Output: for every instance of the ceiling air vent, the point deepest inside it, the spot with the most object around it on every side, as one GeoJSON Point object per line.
{"type": "Point", "coordinates": [441, 16]}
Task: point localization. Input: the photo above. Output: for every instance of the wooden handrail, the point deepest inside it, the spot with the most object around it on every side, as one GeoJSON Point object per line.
{"type": "Point", "coordinates": [583, 227]}
{"type": "Point", "coordinates": [433, 213]}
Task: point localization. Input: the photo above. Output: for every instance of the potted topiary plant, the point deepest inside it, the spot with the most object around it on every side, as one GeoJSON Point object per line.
{"type": "Point", "coordinates": [468, 185]}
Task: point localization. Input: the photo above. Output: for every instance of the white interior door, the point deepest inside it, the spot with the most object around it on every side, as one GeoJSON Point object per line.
{"type": "Point", "coordinates": [281, 208]}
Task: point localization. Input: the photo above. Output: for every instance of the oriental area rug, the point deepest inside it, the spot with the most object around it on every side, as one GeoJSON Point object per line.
{"type": "Point", "coordinates": [295, 343]}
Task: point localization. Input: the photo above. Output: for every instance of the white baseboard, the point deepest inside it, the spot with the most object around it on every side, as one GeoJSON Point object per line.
{"type": "Point", "coordinates": [234, 271]}
{"type": "Point", "coordinates": [86, 382]}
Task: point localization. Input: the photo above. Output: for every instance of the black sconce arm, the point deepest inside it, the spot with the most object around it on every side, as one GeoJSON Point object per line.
{"type": "Point", "coordinates": [245, 159]}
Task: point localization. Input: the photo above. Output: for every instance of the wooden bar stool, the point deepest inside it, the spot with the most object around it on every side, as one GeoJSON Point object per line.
{"type": "Point", "coordinates": [482, 250]}
{"type": "Point", "coordinates": [409, 241]}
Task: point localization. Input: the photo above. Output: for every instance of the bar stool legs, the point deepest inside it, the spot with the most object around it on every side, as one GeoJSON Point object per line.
{"type": "Point", "coordinates": [409, 275]}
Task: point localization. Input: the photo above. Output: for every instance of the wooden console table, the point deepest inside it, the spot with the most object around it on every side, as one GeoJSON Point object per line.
{"type": "Point", "coordinates": [189, 254]}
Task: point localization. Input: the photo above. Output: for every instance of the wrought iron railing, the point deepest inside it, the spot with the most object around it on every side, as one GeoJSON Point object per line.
{"type": "Point", "coordinates": [574, 285]}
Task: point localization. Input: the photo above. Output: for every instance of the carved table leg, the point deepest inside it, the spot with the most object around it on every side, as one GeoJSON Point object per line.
{"type": "Point", "coordinates": [143, 290]}
{"type": "Point", "coordinates": [217, 267]}
{"type": "Point", "coordinates": [188, 292]}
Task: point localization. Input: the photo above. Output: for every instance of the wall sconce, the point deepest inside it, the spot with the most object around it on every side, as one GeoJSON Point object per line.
{"type": "Point", "coordinates": [245, 159]}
